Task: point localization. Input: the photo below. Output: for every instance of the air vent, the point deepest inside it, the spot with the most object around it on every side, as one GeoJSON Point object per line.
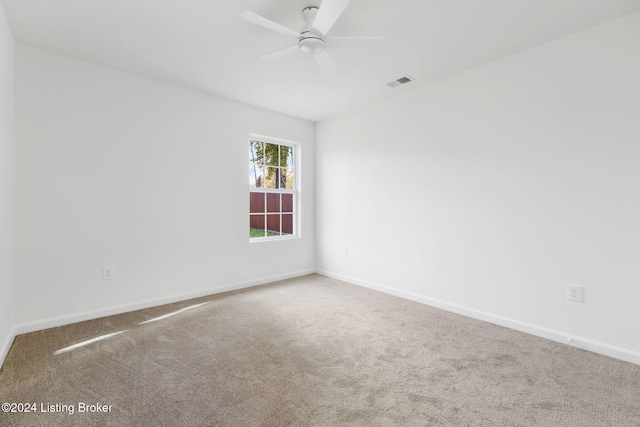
{"type": "Point", "coordinates": [401, 81]}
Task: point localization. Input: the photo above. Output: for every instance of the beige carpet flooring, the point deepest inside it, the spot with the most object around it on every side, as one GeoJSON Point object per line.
{"type": "Point", "coordinates": [310, 351]}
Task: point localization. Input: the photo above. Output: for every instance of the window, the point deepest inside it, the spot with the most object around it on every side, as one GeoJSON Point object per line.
{"type": "Point", "coordinates": [272, 189]}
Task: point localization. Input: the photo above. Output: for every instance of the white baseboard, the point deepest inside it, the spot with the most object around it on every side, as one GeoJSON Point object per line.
{"type": "Point", "coordinates": [6, 345]}
{"type": "Point", "coordinates": [575, 341]}
{"type": "Point", "coordinates": [53, 322]}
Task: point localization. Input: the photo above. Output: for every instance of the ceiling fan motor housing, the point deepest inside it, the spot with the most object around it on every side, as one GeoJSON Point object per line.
{"type": "Point", "coordinates": [309, 42]}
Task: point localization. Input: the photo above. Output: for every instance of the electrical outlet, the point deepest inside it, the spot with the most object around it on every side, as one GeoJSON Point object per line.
{"type": "Point", "coordinates": [575, 293]}
{"type": "Point", "coordinates": [345, 252]}
{"type": "Point", "coordinates": [108, 272]}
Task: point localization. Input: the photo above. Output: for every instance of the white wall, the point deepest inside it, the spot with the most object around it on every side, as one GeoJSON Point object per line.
{"type": "Point", "coordinates": [115, 169]}
{"type": "Point", "coordinates": [6, 184]}
{"type": "Point", "coordinates": [487, 192]}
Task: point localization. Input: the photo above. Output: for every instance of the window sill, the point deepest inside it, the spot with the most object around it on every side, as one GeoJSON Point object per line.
{"type": "Point", "coordinates": [273, 238]}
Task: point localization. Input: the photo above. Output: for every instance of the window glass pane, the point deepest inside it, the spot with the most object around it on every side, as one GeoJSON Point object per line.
{"type": "Point", "coordinates": [288, 178]}
{"type": "Point", "coordinates": [256, 225]}
{"type": "Point", "coordinates": [283, 178]}
{"type": "Point", "coordinates": [273, 224]}
{"type": "Point", "coordinates": [287, 203]}
{"type": "Point", "coordinates": [253, 147]}
{"type": "Point", "coordinates": [271, 180]}
{"type": "Point", "coordinates": [287, 224]}
{"type": "Point", "coordinates": [252, 175]}
{"type": "Point", "coordinates": [271, 154]}
{"type": "Point", "coordinates": [256, 176]}
{"type": "Point", "coordinates": [256, 152]}
{"type": "Point", "coordinates": [256, 169]}
{"type": "Point", "coordinates": [273, 202]}
{"type": "Point", "coordinates": [287, 156]}
{"type": "Point", "coordinates": [256, 202]}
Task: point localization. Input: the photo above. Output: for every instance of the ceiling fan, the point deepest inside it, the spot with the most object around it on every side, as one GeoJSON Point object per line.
{"type": "Point", "coordinates": [311, 39]}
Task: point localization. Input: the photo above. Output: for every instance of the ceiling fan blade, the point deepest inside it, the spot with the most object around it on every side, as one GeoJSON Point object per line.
{"type": "Point", "coordinates": [280, 52]}
{"type": "Point", "coordinates": [266, 23]}
{"type": "Point", "coordinates": [328, 14]}
{"type": "Point", "coordinates": [325, 62]}
{"type": "Point", "coordinates": [353, 38]}
{"type": "Point", "coordinates": [360, 43]}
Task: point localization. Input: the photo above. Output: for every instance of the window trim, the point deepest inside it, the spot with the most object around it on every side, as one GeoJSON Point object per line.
{"type": "Point", "coordinates": [296, 188]}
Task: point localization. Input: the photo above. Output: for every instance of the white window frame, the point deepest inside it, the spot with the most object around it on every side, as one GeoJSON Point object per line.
{"type": "Point", "coordinates": [295, 192]}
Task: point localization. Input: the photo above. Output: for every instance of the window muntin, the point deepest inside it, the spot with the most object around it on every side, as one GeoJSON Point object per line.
{"type": "Point", "coordinates": [272, 189]}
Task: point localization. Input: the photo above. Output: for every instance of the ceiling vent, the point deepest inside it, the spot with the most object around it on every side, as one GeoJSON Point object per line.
{"type": "Point", "coordinates": [401, 81]}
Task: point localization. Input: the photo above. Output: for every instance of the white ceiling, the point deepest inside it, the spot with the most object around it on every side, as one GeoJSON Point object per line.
{"type": "Point", "coordinates": [204, 45]}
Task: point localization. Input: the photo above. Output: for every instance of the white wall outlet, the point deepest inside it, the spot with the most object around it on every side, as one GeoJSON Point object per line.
{"type": "Point", "coordinates": [108, 272]}
{"type": "Point", "coordinates": [345, 252]}
{"type": "Point", "coordinates": [575, 293]}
